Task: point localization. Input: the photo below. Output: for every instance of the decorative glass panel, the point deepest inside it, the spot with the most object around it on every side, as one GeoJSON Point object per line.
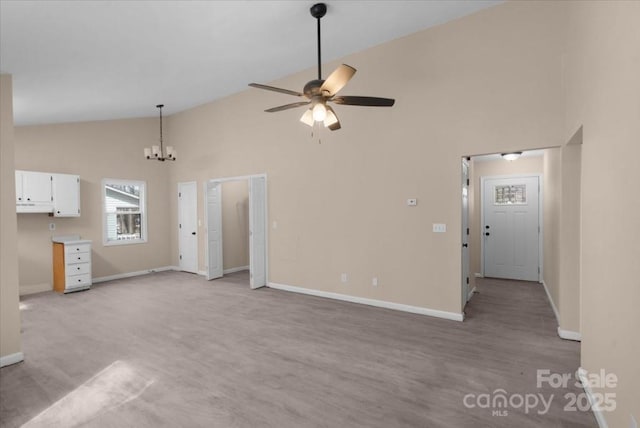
{"type": "Point", "coordinates": [510, 195]}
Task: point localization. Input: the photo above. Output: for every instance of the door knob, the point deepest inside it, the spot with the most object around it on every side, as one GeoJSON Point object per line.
{"type": "Point", "coordinates": [465, 245]}
{"type": "Point", "coordinates": [486, 227]}
{"type": "Point", "coordinates": [487, 234]}
{"type": "Point", "coordinates": [193, 233]}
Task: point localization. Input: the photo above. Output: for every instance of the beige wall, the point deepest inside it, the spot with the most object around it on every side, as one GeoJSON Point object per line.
{"type": "Point", "coordinates": [9, 313]}
{"type": "Point", "coordinates": [235, 224]}
{"type": "Point", "coordinates": [602, 90]}
{"type": "Point", "coordinates": [93, 150]}
{"type": "Point", "coordinates": [486, 83]}
{"type": "Point", "coordinates": [483, 168]}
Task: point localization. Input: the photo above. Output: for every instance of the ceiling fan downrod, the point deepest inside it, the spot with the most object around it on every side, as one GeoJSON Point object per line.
{"type": "Point", "coordinates": [319, 10]}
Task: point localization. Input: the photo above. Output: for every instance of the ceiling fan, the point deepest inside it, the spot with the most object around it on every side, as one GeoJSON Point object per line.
{"type": "Point", "coordinates": [320, 92]}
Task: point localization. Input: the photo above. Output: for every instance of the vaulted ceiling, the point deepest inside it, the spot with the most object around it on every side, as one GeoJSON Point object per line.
{"type": "Point", "coordinates": [97, 60]}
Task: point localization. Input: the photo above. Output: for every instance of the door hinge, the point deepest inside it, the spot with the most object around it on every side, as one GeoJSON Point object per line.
{"type": "Point", "coordinates": [180, 256]}
{"type": "Point", "coordinates": [467, 230]}
{"type": "Point", "coordinates": [467, 280]}
{"type": "Point", "coordinates": [179, 226]}
{"type": "Point", "coordinates": [538, 270]}
{"type": "Point", "coordinates": [179, 194]}
{"type": "Point", "coordinates": [467, 181]}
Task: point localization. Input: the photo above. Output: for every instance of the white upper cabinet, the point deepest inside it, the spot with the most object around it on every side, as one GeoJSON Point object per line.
{"type": "Point", "coordinates": [66, 195]}
{"type": "Point", "coordinates": [34, 192]}
{"type": "Point", "coordinates": [43, 192]}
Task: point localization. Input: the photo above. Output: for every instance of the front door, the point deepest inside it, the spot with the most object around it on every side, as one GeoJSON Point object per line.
{"type": "Point", "coordinates": [510, 227]}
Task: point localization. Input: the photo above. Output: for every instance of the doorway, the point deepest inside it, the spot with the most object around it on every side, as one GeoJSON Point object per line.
{"type": "Point", "coordinates": [465, 233]}
{"type": "Point", "coordinates": [188, 226]}
{"type": "Point", "coordinates": [257, 201]}
{"type": "Point", "coordinates": [511, 227]}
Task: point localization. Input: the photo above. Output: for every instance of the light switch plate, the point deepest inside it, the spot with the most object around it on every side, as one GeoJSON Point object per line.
{"type": "Point", "coordinates": [412, 202]}
{"type": "Point", "coordinates": [439, 227]}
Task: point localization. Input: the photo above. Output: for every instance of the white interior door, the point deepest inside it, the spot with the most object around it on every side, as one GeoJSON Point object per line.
{"type": "Point", "coordinates": [465, 232]}
{"type": "Point", "coordinates": [257, 232]}
{"type": "Point", "coordinates": [511, 227]}
{"type": "Point", "coordinates": [188, 226]}
{"type": "Point", "coordinates": [214, 230]}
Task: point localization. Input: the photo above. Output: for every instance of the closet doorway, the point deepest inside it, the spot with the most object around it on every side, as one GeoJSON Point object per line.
{"type": "Point", "coordinates": [257, 227]}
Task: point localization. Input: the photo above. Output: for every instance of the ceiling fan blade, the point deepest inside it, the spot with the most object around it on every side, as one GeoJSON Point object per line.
{"type": "Point", "coordinates": [338, 79]}
{"type": "Point", "coordinates": [287, 106]}
{"type": "Point", "coordinates": [331, 120]}
{"type": "Point", "coordinates": [307, 117]}
{"type": "Point", "coordinates": [274, 89]}
{"type": "Point", "coordinates": [364, 101]}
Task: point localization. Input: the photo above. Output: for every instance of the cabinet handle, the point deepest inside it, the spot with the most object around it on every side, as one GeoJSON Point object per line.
{"type": "Point", "coordinates": [79, 258]}
{"type": "Point", "coordinates": [28, 199]}
{"type": "Point", "coordinates": [19, 199]}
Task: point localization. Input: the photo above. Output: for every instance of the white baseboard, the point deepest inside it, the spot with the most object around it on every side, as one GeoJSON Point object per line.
{"type": "Point", "coordinates": [371, 302]}
{"type": "Point", "coordinates": [478, 275]}
{"type": "Point", "coordinates": [202, 273]}
{"type": "Point", "coordinates": [35, 288]}
{"type": "Point", "coordinates": [564, 334]}
{"type": "Point", "coordinates": [132, 274]}
{"type": "Point", "coordinates": [602, 422]}
{"type": "Point", "coordinates": [7, 360]}
{"type": "Point", "coordinates": [235, 269]}
{"type": "Point", "coordinates": [570, 335]}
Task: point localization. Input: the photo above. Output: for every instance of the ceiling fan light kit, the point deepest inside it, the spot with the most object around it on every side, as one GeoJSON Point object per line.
{"type": "Point", "coordinates": [320, 92]}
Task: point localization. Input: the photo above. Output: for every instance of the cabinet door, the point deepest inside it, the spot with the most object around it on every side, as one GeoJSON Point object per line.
{"type": "Point", "coordinates": [66, 195]}
{"type": "Point", "coordinates": [36, 187]}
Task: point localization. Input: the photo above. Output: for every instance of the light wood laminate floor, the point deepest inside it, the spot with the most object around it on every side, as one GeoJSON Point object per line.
{"type": "Point", "coordinates": [173, 350]}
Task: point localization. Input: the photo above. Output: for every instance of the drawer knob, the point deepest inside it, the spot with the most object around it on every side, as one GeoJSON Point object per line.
{"type": "Point", "coordinates": [79, 258]}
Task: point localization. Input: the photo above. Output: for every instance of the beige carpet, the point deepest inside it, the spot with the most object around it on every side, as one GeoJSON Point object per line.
{"type": "Point", "coordinates": [173, 350]}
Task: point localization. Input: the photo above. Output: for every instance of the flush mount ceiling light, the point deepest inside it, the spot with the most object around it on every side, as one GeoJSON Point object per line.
{"type": "Point", "coordinates": [511, 156]}
{"type": "Point", "coordinates": [319, 92]}
{"type": "Point", "coordinates": [158, 152]}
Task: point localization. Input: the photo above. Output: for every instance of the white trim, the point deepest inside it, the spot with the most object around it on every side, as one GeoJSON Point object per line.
{"type": "Point", "coordinates": [564, 334]}
{"type": "Point", "coordinates": [478, 275]}
{"type": "Point", "coordinates": [202, 273]}
{"type": "Point", "coordinates": [569, 335]}
{"type": "Point", "coordinates": [143, 212]}
{"type": "Point", "coordinates": [553, 305]}
{"type": "Point", "coordinates": [235, 269]}
{"type": "Point", "coordinates": [7, 360]}
{"type": "Point", "coordinates": [473, 290]}
{"type": "Point", "coordinates": [132, 274]}
{"type": "Point", "coordinates": [582, 374]}
{"type": "Point", "coordinates": [371, 302]}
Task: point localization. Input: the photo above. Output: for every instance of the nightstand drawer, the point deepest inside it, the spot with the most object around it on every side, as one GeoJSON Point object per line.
{"type": "Point", "coordinates": [78, 248]}
{"type": "Point", "coordinates": [78, 280]}
{"type": "Point", "coordinates": [78, 269]}
{"type": "Point", "coordinates": [77, 258]}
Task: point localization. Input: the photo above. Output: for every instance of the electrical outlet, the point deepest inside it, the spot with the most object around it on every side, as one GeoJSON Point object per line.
{"type": "Point", "coordinates": [52, 226]}
{"type": "Point", "coordinates": [439, 227]}
{"type": "Point", "coordinates": [374, 281]}
{"type": "Point", "coordinates": [412, 202]}
{"type": "Point", "coordinates": [343, 277]}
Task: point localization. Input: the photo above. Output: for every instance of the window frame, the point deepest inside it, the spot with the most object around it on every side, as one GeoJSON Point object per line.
{"type": "Point", "coordinates": [142, 185]}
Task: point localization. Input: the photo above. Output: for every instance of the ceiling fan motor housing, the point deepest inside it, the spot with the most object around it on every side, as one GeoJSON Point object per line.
{"type": "Point", "coordinates": [312, 88]}
{"type": "Point", "coordinates": [318, 10]}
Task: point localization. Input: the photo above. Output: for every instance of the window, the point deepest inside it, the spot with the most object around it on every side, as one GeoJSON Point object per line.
{"type": "Point", "coordinates": [123, 212]}
{"type": "Point", "coordinates": [510, 195]}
